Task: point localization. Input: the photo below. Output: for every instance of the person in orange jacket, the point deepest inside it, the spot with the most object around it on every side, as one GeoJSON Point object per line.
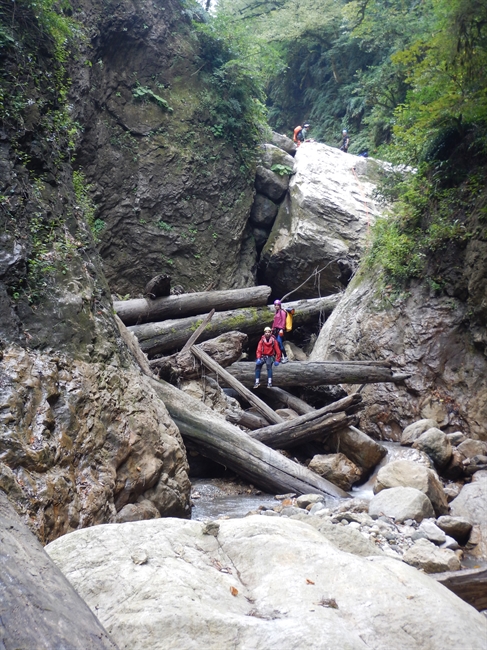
{"type": "Point", "coordinates": [267, 352]}
{"type": "Point", "coordinates": [299, 134]}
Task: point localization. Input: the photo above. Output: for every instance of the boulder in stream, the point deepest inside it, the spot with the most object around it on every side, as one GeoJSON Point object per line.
{"type": "Point", "coordinates": [257, 582]}
{"type": "Point", "coordinates": [401, 503]}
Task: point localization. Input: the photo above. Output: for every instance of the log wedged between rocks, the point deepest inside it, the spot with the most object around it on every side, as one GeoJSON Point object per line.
{"type": "Point", "coordinates": [299, 373]}
{"type": "Point", "coordinates": [311, 425]}
{"type": "Point", "coordinates": [170, 335]}
{"type": "Point", "coordinates": [228, 445]}
{"type": "Point", "coordinates": [144, 310]}
{"type": "Point", "coordinates": [470, 585]}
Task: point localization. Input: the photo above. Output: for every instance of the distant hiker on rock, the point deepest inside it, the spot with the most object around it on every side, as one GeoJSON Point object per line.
{"type": "Point", "coordinates": [300, 133]}
{"type": "Point", "coordinates": [345, 141]}
{"type": "Point", "coordinates": [267, 352]}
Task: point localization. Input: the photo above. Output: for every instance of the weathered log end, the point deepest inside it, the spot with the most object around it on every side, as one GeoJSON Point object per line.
{"type": "Point", "coordinates": [158, 287]}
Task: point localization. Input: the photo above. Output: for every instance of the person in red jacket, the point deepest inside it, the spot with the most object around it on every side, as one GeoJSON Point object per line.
{"type": "Point", "coordinates": [267, 352]}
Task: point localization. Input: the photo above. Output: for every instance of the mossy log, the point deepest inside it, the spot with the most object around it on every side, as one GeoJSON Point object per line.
{"type": "Point", "coordinates": [297, 373]}
{"type": "Point", "coordinates": [170, 335]}
{"type": "Point", "coordinates": [144, 310]}
{"type": "Point", "coordinates": [229, 446]}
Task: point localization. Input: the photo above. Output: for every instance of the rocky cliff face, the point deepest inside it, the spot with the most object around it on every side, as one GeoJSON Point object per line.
{"type": "Point", "coordinates": [83, 437]}
{"type": "Point", "coordinates": [172, 195]}
{"type": "Point", "coordinates": [421, 333]}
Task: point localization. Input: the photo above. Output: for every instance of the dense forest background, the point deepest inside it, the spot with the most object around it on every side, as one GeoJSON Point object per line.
{"type": "Point", "coordinates": [407, 78]}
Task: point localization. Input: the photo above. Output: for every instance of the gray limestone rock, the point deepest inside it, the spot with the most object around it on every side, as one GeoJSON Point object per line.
{"type": "Point", "coordinates": [470, 448]}
{"type": "Point", "coordinates": [271, 156]}
{"type": "Point", "coordinates": [408, 474]}
{"type": "Point", "coordinates": [412, 432]}
{"type": "Point", "coordinates": [401, 503]}
{"type": "Point", "coordinates": [432, 531]}
{"type": "Point", "coordinates": [323, 222]}
{"type": "Point", "coordinates": [435, 443]}
{"type": "Point", "coordinates": [431, 559]}
{"type": "Point", "coordinates": [264, 583]}
{"type": "Point", "coordinates": [306, 500]}
{"type": "Point", "coordinates": [471, 504]}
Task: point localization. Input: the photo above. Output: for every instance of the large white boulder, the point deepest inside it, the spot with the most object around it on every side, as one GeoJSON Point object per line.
{"type": "Point", "coordinates": [258, 582]}
{"type": "Point", "coordinates": [325, 217]}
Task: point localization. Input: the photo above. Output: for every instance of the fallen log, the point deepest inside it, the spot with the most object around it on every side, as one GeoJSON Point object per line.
{"type": "Point", "coordinates": [158, 287]}
{"type": "Point", "coordinates": [470, 585]}
{"type": "Point", "coordinates": [225, 350]}
{"type": "Point", "coordinates": [296, 373]}
{"type": "Point", "coordinates": [266, 411]}
{"type": "Point", "coordinates": [229, 446]}
{"type": "Point", "coordinates": [248, 420]}
{"type": "Point", "coordinates": [278, 396]}
{"type": "Point", "coordinates": [143, 310]}
{"type": "Point", "coordinates": [357, 446]}
{"type": "Point", "coordinates": [170, 335]}
{"type": "Point", "coordinates": [306, 427]}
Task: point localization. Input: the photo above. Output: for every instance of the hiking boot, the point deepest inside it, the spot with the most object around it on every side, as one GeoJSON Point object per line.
{"type": "Point", "coordinates": [269, 383]}
{"type": "Point", "coordinates": [284, 359]}
{"type": "Point", "coordinates": [257, 384]}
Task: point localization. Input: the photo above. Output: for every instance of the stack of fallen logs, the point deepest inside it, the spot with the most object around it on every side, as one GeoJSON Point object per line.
{"type": "Point", "coordinates": [251, 454]}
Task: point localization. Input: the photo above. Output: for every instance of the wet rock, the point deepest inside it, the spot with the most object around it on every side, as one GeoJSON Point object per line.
{"type": "Point", "coordinates": [336, 468]}
{"type": "Point", "coordinates": [39, 607]}
{"type": "Point", "coordinates": [455, 438]}
{"type": "Point", "coordinates": [435, 443]}
{"type": "Point", "coordinates": [457, 527]}
{"type": "Point", "coordinates": [475, 464]}
{"type": "Point", "coordinates": [470, 448]}
{"type": "Point", "coordinates": [455, 470]}
{"type": "Point", "coordinates": [401, 503]}
{"type": "Point", "coordinates": [412, 432]}
{"type": "Point", "coordinates": [259, 584]}
{"type": "Point", "coordinates": [452, 490]}
{"type": "Point", "coordinates": [263, 211]}
{"type": "Point", "coordinates": [357, 446]}
{"type": "Point", "coordinates": [431, 559]}
{"type": "Point", "coordinates": [407, 474]}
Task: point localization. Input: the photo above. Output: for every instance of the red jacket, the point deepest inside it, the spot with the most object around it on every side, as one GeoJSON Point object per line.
{"type": "Point", "coordinates": [268, 348]}
{"type": "Point", "coordinates": [280, 319]}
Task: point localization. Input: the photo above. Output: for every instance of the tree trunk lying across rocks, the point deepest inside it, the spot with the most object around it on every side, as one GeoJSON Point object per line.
{"type": "Point", "coordinates": [298, 373]}
{"type": "Point", "coordinates": [144, 310]}
{"type": "Point", "coordinates": [279, 397]}
{"type": "Point", "coordinates": [308, 426]}
{"type": "Point", "coordinates": [228, 445]}
{"type": "Point", "coordinates": [167, 336]}
{"type": "Point", "coordinates": [225, 350]}
{"type": "Point", "coordinates": [469, 585]}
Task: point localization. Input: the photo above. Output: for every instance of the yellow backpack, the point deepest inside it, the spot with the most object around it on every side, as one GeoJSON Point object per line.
{"type": "Point", "coordinates": [289, 320]}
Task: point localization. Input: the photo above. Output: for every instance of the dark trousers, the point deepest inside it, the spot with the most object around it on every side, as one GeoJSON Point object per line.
{"type": "Point", "coordinates": [268, 362]}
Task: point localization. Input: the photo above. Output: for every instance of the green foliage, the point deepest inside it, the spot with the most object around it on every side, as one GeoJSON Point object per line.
{"type": "Point", "coordinates": [281, 170]}
{"type": "Point", "coordinates": [143, 93]}
{"type": "Point", "coordinates": [85, 204]}
{"type": "Point", "coordinates": [164, 226]}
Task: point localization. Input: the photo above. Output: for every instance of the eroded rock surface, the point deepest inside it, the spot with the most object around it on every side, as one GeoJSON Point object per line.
{"type": "Point", "coordinates": [256, 582]}
{"type": "Point", "coordinates": [422, 334]}
{"type": "Point", "coordinates": [322, 223]}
